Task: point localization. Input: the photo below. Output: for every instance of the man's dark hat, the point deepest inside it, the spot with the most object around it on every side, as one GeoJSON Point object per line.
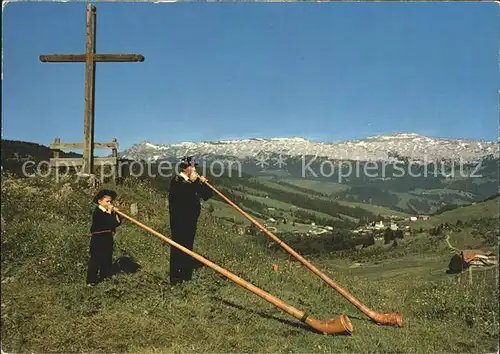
{"type": "Point", "coordinates": [104, 192]}
{"type": "Point", "coordinates": [187, 161]}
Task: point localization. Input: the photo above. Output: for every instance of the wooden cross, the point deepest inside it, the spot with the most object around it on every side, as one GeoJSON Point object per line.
{"type": "Point", "coordinates": [90, 58]}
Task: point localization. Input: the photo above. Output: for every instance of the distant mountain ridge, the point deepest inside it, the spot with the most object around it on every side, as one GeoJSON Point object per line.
{"type": "Point", "coordinates": [411, 193]}
{"type": "Point", "coordinates": [388, 147]}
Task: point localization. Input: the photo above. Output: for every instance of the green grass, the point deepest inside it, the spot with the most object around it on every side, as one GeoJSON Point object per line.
{"type": "Point", "coordinates": [434, 191]}
{"type": "Point", "coordinates": [273, 173]}
{"type": "Point", "coordinates": [279, 186]}
{"type": "Point", "coordinates": [46, 306]}
{"type": "Point", "coordinates": [488, 209]}
{"type": "Point", "coordinates": [253, 191]}
{"type": "Point", "coordinates": [289, 227]}
{"type": "Point", "coordinates": [376, 209]}
{"type": "Point", "coordinates": [425, 268]}
{"type": "Point", "coordinates": [286, 206]}
{"type": "Point", "coordinates": [318, 186]}
{"type": "Point", "coordinates": [467, 238]}
{"type": "Point", "coordinates": [222, 209]}
{"type": "Point", "coordinates": [404, 199]}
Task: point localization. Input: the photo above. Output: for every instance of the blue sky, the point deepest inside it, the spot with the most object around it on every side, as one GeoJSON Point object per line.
{"type": "Point", "coordinates": [324, 71]}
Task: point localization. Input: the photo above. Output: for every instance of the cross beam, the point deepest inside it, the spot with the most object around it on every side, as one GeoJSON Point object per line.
{"type": "Point", "coordinates": [90, 58]}
{"type": "Point", "coordinates": [82, 58]}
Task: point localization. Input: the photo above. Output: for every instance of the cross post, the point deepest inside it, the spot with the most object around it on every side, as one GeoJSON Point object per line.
{"type": "Point", "coordinates": [90, 58]}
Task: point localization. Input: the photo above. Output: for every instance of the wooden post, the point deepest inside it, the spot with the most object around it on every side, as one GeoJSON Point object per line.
{"type": "Point", "coordinates": [56, 153]}
{"type": "Point", "coordinates": [114, 153]}
{"type": "Point", "coordinates": [57, 156]}
{"type": "Point", "coordinates": [88, 127]}
{"type": "Point", "coordinates": [90, 58]}
{"type": "Point", "coordinates": [470, 275]}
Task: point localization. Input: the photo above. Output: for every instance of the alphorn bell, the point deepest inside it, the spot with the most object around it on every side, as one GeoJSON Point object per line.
{"type": "Point", "coordinates": [341, 325]}
{"type": "Point", "coordinates": [380, 318]}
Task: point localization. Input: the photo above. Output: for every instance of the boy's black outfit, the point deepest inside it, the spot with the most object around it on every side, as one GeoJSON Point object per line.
{"type": "Point", "coordinates": [184, 209]}
{"type": "Point", "coordinates": [101, 244]}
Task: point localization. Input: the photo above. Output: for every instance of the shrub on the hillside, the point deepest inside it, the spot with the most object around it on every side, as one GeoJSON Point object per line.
{"type": "Point", "coordinates": [314, 244]}
{"type": "Point", "coordinates": [365, 240]}
{"type": "Point", "coordinates": [436, 231]}
{"type": "Point", "coordinates": [342, 241]}
{"type": "Point", "coordinates": [388, 235]}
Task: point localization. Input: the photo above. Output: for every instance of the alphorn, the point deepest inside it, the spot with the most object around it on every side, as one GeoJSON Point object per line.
{"type": "Point", "coordinates": [341, 325]}
{"type": "Point", "coordinates": [380, 318]}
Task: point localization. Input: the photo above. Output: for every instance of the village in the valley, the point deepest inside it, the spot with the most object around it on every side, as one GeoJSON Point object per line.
{"type": "Point", "coordinates": [398, 225]}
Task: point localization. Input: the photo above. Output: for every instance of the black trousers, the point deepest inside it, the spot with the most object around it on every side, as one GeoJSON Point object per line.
{"type": "Point", "coordinates": [183, 231]}
{"type": "Point", "coordinates": [101, 257]}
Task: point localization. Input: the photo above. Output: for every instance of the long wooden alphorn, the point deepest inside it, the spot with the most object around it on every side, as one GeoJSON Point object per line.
{"type": "Point", "coordinates": [380, 318]}
{"type": "Point", "coordinates": [341, 325]}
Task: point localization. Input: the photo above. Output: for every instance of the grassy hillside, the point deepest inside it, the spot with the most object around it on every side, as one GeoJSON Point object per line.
{"type": "Point", "coordinates": [46, 305]}
{"type": "Point", "coordinates": [21, 150]}
{"type": "Point", "coordinates": [487, 209]}
{"type": "Point", "coordinates": [324, 191]}
{"type": "Point", "coordinates": [16, 153]}
{"type": "Point", "coordinates": [317, 186]}
{"type": "Point", "coordinates": [376, 209]}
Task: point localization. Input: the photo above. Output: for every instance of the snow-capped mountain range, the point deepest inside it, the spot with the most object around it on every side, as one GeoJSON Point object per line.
{"type": "Point", "coordinates": [388, 147]}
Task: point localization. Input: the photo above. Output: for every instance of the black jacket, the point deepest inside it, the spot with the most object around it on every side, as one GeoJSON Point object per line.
{"type": "Point", "coordinates": [102, 221]}
{"type": "Point", "coordinates": [184, 198]}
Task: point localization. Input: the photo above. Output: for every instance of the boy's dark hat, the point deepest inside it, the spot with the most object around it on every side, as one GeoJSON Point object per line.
{"type": "Point", "coordinates": [187, 161]}
{"type": "Point", "coordinates": [104, 192]}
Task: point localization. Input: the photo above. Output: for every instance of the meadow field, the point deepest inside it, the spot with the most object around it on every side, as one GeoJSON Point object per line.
{"type": "Point", "coordinates": [47, 307]}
